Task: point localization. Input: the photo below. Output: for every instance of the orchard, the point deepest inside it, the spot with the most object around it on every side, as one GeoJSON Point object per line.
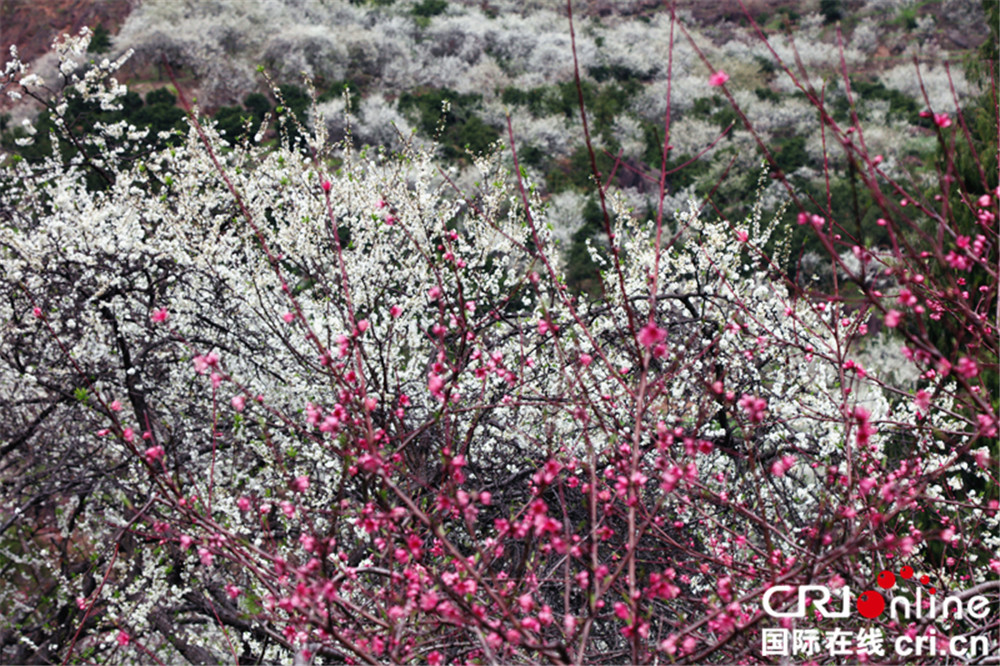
{"type": "Point", "coordinates": [308, 400]}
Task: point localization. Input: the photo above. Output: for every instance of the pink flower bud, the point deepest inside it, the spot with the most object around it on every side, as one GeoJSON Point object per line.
{"type": "Point", "coordinates": [718, 79]}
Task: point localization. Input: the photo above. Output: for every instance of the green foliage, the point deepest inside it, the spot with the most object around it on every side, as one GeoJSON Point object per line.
{"type": "Point", "coordinates": [336, 91]}
{"type": "Point", "coordinates": [295, 99]}
{"type": "Point", "coordinates": [716, 109]}
{"type": "Point", "coordinates": [767, 95]}
{"type": "Point", "coordinates": [790, 153]}
{"type": "Point", "coordinates": [258, 105]}
{"type": "Point", "coordinates": [429, 8]}
{"type": "Point", "coordinates": [602, 102]}
{"type": "Point", "coordinates": [533, 99]}
{"type": "Point", "coordinates": [161, 96]}
{"type": "Point", "coordinates": [231, 119]}
{"type": "Point", "coordinates": [653, 156]}
{"type": "Point", "coordinates": [576, 172]}
{"type": "Point", "coordinates": [988, 51]}
{"type": "Point", "coordinates": [901, 107]}
{"type": "Point", "coordinates": [907, 18]}
{"type": "Point", "coordinates": [160, 113]}
{"type": "Point", "coordinates": [459, 126]}
{"type": "Point", "coordinates": [100, 42]}
{"type": "Point", "coordinates": [832, 10]}
{"type": "Point", "coordinates": [619, 73]}
{"type": "Point", "coordinates": [583, 274]}
{"type": "Point", "coordinates": [531, 155]}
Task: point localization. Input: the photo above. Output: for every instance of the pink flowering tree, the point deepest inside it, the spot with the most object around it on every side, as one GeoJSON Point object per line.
{"type": "Point", "coordinates": [256, 405]}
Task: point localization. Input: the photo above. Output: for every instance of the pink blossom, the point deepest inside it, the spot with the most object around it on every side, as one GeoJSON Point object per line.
{"type": "Point", "coordinates": [987, 425]}
{"type": "Point", "coordinates": [326, 185]}
{"type": "Point", "coordinates": [754, 407]}
{"type": "Point", "coordinates": [232, 591]}
{"type": "Point", "coordinates": [892, 318]}
{"type": "Point", "coordinates": [186, 541]}
{"type": "Point", "coordinates": [288, 317]}
{"type": "Point", "coordinates": [206, 557]}
{"type": "Point", "coordinates": [724, 588]}
{"type": "Point", "coordinates": [363, 325]}
{"type": "Point", "coordinates": [742, 236]}
{"type": "Point", "coordinates": [923, 400]}
{"type": "Point", "coordinates": [395, 311]}
{"type": "Point", "coordinates": [959, 262]}
{"type": "Point", "coordinates": [300, 484]}
{"type": "Point", "coordinates": [435, 384]}
{"type": "Point", "coordinates": [942, 120]}
{"type": "Point", "coordinates": [115, 406]}
{"type": "Point", "coordinates": [966, 368]}
{"type": "Point", "coordinates": [906, 297]}
{"type": "Point", "coordinates": [238, 402]}
{"type": "Point", "coordinates": [780, 467]}
{"type": "Point", "coordinates": [586, 360]}
{"type": "Point", "coordinates": [243, 503]}
{"type": "Point", "coordinates": [718, 79]}
{"type": "Point", "coordinates": [160, 316]}
{"type": "Point", "coordinates": [651, 334]}
{"type": "Point", "coordinates": [434, 293]}
{"type": "Point", "coordinates": [123, 639]}
{"type": "Point", "coordinates": [154, 453]}
{"type": "Point", "coordinates": [865, 429]}
{"type": "Point", "coordinates": [37, 312]}
{"type": "Point", "coordinates": [128, 435]}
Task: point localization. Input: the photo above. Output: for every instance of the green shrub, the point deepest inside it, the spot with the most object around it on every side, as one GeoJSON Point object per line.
{"type": "Point", "coordinates": [100, 42]}
{"type": "Point", "coordinates": [583, 274]}
{"type": "Point", "coordinates": [161, 96]}
{"type": "Point", "coordinates": [832, 10]}
{"type": "Point", "coordinates": [258, 105]}
{"type": "Point", "coordinates": [429, 8]}
{"type": "Point", "coordinates": [460, 127]}
{"type": "Point", "coordinates": [336, 91]}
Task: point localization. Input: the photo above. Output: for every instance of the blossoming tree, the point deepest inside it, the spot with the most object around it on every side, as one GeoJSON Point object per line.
{"type": "Point", "coordinates": [308, 400]}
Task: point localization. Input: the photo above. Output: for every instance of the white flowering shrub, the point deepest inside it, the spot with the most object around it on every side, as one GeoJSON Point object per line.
{"type": "Point", "coordinates": [315, 402]}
